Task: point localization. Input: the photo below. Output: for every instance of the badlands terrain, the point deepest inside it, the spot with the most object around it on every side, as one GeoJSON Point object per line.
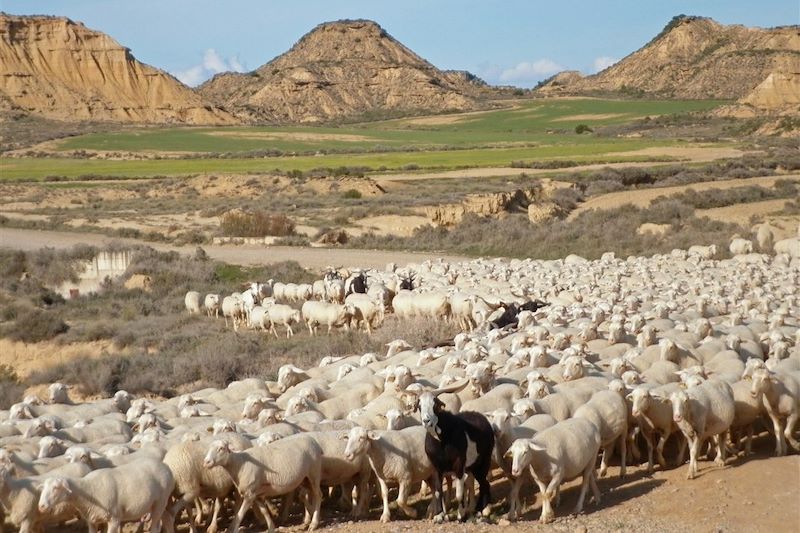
{"type": "Point", "coordinates": [350, 151]}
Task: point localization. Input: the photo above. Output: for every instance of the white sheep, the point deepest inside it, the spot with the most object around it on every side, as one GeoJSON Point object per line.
{"type": "Point", "coordinates": [211, 304]}
{"type": "Point", "coordinates": [272, 470]}
{"type": "Point", "coordinates": [608, 411]}
{"type": "Point", "coordinates": [114, 496]}
{"type": "Point", "coordinates": [192, 302]}
{"type": "Point", "coordinates": [327, 314]}
{"type": "Point", "coordinates": [782, 402]}
{"type": "Point", "coordinates": [395, 457]}
{"type": "Point", "coordinates": [702, 412]}
{"type": "Point", "coordinates": [557, 454]}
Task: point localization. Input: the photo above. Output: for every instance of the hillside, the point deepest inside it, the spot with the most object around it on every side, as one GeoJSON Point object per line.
{"type": "Point", "coordinates": [696, 57]}
{"type": "Point", "coordinates": [60, 69]}
{"type": "Point", "coordinates": [343, 69]}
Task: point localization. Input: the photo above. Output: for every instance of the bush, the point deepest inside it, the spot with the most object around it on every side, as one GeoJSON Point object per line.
{"type": "Point", "coordinates": [583, 128]}
{"type": "Point", "coordinates": [256, 224]}
{"type": "Point", "coordinates": [35, 325]}
{"type": "Point", "coordinates": [11, 389]}
{"type": "Point", "coordinates": [351, 194]}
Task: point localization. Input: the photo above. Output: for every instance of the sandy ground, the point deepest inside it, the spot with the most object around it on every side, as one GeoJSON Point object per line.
{"type": "Point", "coordinates": [695, 154]}
{"type": "Point", "coordinates": [27, 358]}
{"type": "Point", "coordinates": [741, 213]}
{"type": "Point", "coordinates": [313, 258]}
{"type": "Point", "coordinates": [643, 197]}
{"type": "Point", "coordinates": [403, 226]}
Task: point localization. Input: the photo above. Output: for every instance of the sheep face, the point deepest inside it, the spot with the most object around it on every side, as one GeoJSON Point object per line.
{"type": "Point", "coordinates": [573, 368]}
{"type": "Point", "coordinates": [55, 490]}
{"type": "Point", "coordinates": [537, 390]}
{"type": "Point", "coordinates": [223, 426]}
{"type": "Point", "coordinates": [640, 399]}
{"type": "Point", "coordinates": [79, 454]}
{"type": "Point", "coordinates": [266, 438]}
{"type": "Point", "coordinates": [268, 416]}
{"type": "Point", "coordinates": [58, 393]}
{"type": "Point", "coordinates": [500, 420]}
{"type": "Point", "coordinates": [680, 408]}
{"type": "Point", "coordinates": [521, 453]}
{"type": "Point", "coordinates": [394, 419]}
{"type": "Point", "coordinates": [219, 453]}
{"type": "Point", "coordinates": [252, 407]}
{"type": "Point", "coordinates": [297, 405]}
{"type": "Point", "coordinates": [358, 442]}
{"type": "Point", "coordinates": [762, 382]}
{"type": "Point", "coordinates": [122, 400]}
{"type": "Point", "coordinates": [50, 446]}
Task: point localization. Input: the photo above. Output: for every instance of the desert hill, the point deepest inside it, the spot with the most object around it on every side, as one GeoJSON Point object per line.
{"type": "Point", "coordinates": [696, 57]}
{"type": "Point", "coordinates": [60, 69]}
{"type": "Point", "coordinates": [343, 69]}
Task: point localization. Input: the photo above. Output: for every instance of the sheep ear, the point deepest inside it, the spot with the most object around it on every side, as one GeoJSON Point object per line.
{"type": "Point", "coordinates": [371, 435]}
{"type": "Point", "coordinates": [629, 396]}
{"type": "Point", "coordinates": [344, 436]}
{"type": "Point", "coordinates": [380, 415]}
{"type": "Point", "coordinates": [508, 454]}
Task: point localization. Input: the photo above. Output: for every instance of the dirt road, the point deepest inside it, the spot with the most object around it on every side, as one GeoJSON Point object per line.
{"type": "Point", "coordinates": [313, 258]}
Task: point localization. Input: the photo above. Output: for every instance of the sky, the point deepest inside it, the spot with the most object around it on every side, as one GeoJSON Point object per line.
{"type": "Point", "coordinates": [506, 42]}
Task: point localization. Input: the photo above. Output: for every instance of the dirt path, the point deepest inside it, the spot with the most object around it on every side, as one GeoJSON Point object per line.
{"type": "Point", "coordinates": [643, 197]}
{"type": "Point", "coordinates": [313, 258]}
{"type": "Point", "coordinates": [693, 154]}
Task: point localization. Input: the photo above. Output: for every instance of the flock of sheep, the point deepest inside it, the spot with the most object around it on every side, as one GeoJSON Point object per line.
{"type": "Point", "coordinates": [627, 354]}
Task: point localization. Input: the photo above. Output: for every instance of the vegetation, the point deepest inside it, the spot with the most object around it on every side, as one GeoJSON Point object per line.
{"type": "Point", "coordinates": [537, 129]}
{"type": "Point", "coordinates": [589, 235]}
{"type": "Point", "coordinates": [256, 224]}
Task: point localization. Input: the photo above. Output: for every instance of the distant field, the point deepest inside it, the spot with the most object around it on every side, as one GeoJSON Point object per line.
{"type": "Point", "coordinates": [544, 121]}
{"type": "Point", "coordinates": [532, 130]}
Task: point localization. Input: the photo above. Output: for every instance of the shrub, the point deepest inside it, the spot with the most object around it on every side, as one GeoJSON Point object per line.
{"type": "Point", "coordinates": [351, 194]}
{"type": "Point", "coordinates": [256, 224]}
{"type": "Point", "coordinates": [35, 325]}
{"type": "Point", "coordinates": [11, 389]}
{"type": "Point", "coordinates": [583, 128]}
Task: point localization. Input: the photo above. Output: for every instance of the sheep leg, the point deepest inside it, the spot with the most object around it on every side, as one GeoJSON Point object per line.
{"type": "Point", "coordinates": [748, 443]}
{"type": "Point", "coordinates": [513, 499]}
{"type": "Point", "coordinates": [286, 506]}
{"type": "Point", "coordinates": [264, 510]}
{"type": "Point", "coordinates": [386, 516]}
{"type": "Point", "coordinates": [720, 441]}
{"type": "Point", "coordinates": [547, 510]}
{"type": "Point", "coordinates": [113, 526]}
{"type": "Point", "coordinates": [587, 476]}
{"type": "Point", "coordinates": [791, 422]}
{"type": "Point", "coordinates": [648, 438]}
{"type": "Point", "coordinates": [694, 449]}
{"type": "Point", "coordinates": [212, 527]}
{"type": "Point", "coordinates": [289, 331]}
{"type": "Point", "coordinates": [780, 444]}
{"type": "Point", "coordinates": [402, 500]}
{"type": "Point", "coordinates": [595, 488]}
{"type": "Point", "coordinates": [314, 503]}
{"type": "Point", "coordinates": [247, 502]}
{"type": "Point", "coordinates": [604, 462]}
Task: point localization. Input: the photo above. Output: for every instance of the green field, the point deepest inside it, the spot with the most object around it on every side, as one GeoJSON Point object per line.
{"type": "Point", "coordinates": [531, 130]}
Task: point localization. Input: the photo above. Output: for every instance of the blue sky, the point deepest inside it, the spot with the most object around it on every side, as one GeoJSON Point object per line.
{"type": "Point", "coordinates": [514, 42]}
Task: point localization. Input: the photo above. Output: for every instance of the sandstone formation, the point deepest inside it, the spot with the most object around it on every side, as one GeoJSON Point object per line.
{"type": "Point", "coordinates": [534, 200]}
{"type": "Point", "coordinates": [61, 69]}
{"type": "Point", "coordinates": [696, 57]}
{"type": "Point", "coordinates": [559, 83]}
{"type": "Point", "coordinates": [343, 69]}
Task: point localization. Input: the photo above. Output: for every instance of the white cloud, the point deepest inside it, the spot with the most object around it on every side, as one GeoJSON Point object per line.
{"type": "Point", "coordinates": [603, 62]}
{"type": "Point", "coordinates": [212, 63]}
{"type": "Point", "coordinates": [529, 72]}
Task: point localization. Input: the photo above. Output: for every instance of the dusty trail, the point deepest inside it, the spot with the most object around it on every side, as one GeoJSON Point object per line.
{"type": "Point", "coordinates": [313, 258]}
